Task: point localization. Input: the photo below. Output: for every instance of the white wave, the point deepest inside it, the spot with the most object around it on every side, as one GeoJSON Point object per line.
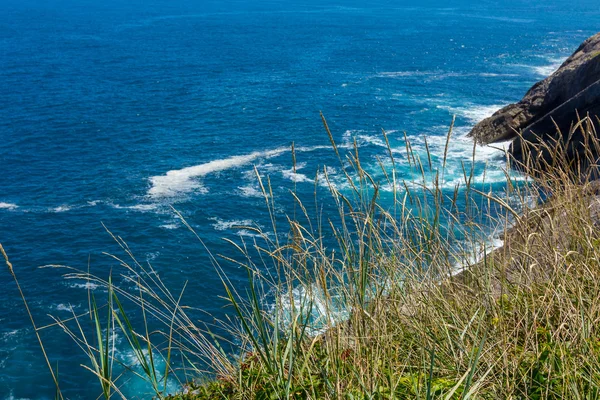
{"type": "Point", "coordinates": [10, 334]}
{"type": "Point", "coordinates": [472, 112]}
{"type": "Point", "coordinates": [445, 75]}
{"type": "Point", "coordinates": [170, 226]}
{"type": "Point", "coordinates": [547, 70]}
{"type": "Point", "coordinates": [488, 75]}
{"type": "Point", "coordinates": [372, 140]}
{"type": "Point", "coordinates": [553, 63]}
{"type": "Point", "coordinates": [499, 18]}
{"type": "Point", "coordinates": [223, 225]}
{"type": "Point", "coordinates": [143, 207]}
{"type": "Point", "coordinates": [60, 209]}
{"type": "Point", "coordinates": [296, 176]}
{"type": "Point", "coordinates": [137, 207]}
{"type": "Point", "coordinates": [135, 386]}
{"type": "Point", "coordinates": [185, 179]}
{"type": "Point", "coordinates": [152, 256]}
{"type": "Point", "coordinates": [347, 137]}
{"type": "Point", "coordinates": [268, 168]}
{"type": "Point", "coordinates": [362, 139]}
{"type": "Point", "coordinates": [454, 179]}
{"type": "Point", "coordinates": [237, 227]}
{"type": "Point", "coordinates": [310, 302]}
{"type": "Point", "coordinates": [8, 206]}
{"type": "Point", "coordinates": [459, 152]}
{"type": "Point", "coordinates": [429, 76]}
{"type": "Point", "coordinates": [308, 149]}
{"type": "Point", "coordinates": [439, 75]}
{"type": "Point", "coordinates": [460, 147]}
{"type": "Point", "coordinates": [488, 177]}
{"type": "Point", "coordinates": [403, 74]}
{"type": "Point", "coordinates": [250, 191]}
{"type": "Point", "coordinates": [251, 234]}
{"type": "Point", "coordinates": [64, 307]}
{"type": "Point", "coordinates": [293, 174]}
{"type": "Point", "coordinates": [182, 180]}
{"type": "Point", "coordinates": [473, 254]}
{"type": "Point", "coordinates": [495, 75]}
{"type": "Point", "coordinates": [85, 285]}
{"type": "Point", "coordinates": [333, 179]}
{"type": "Point", "coordinates": [422, 110]}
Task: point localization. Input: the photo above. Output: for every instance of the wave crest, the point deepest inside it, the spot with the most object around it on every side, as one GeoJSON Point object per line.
{"type": "Point", "coordinates": [8, 206]}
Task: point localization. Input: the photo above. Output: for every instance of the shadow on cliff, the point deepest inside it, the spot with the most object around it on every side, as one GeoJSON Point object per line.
{"type": "Point", "coordinates": [560, 110]}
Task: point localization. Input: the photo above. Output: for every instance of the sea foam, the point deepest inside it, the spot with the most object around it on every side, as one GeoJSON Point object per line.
{"type": "Point", "coordinates": [309, 300]}
{"type": "Point", "coordinates": [543, 71]}
{"type": "Point", "coordinates": [8, 206]}
{"type": "Point", "coordinates": [184, 180]}
{"type": "Point", "coordinates": [223, 225]}
{"type": "Point", "coordinates": [60, 209]}
{"type": "Point", "coordinates": [547, 70]}
{"type": "Point", "coordinates": [472, 112]}
{"type": "Point", "coordinates": [250, 191]}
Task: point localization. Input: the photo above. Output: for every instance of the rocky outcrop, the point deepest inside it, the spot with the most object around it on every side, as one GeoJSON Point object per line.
{"type": "Point", "coordinates": [575, 141]}
{"type": "Point", "coordinates": [555, 101]}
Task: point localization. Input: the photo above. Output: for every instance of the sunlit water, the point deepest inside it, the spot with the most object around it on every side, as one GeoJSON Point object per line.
{"type": "Point", "coordinates": [112, 112]}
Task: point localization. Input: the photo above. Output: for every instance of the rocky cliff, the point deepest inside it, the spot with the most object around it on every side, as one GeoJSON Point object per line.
{"type": "Point", "coordinates": [555, 102]}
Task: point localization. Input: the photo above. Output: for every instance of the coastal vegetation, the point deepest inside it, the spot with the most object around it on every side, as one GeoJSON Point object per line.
{"type": "Point", "coordinates": [521, 322]}
{"type": "Point", "coordinates": [385, 288]}
{"type": "Point", "coordinates": [402, 298]}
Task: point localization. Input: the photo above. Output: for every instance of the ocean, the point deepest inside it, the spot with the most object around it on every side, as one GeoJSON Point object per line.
{"type": "Point", "coordinates": [113, 114]}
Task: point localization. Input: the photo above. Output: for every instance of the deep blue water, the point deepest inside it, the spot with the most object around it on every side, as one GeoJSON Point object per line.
{"type": "Point", "coordinates": [103, 106]}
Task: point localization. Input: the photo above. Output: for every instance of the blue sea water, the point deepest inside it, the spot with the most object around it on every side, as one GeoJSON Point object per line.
{"type": "Point", "coordinates": [112, 112]}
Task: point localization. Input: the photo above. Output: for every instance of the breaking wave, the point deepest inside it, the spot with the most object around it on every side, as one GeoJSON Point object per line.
{"type": "Point", "coordinates": [472, 112]}
{"type": "Point", "coordinates": [223, 225]}
{"type": "Point", "coordinates": [8, 206]}
{"type": "Point", "coordinates": [184, 180]}
{"type": "Point", "coordinates": [547, 70]}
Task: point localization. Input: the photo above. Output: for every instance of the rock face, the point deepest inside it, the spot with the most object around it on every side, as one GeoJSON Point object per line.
{"type": "Point", "coordinates": [585, 102]}
{"type": "Point", "coordinates": [573, 89]}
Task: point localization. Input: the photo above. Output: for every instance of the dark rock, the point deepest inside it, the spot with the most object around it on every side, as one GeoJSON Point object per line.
{"type": "Point", "coordinates": [573, 87]}
{"type": "Point", "coordinates": [560, 124]}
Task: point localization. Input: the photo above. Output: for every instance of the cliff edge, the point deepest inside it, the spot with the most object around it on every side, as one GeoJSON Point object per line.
{"type": "Point", "coordinates": [574, 89]}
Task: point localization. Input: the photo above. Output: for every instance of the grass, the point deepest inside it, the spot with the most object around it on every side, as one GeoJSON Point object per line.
{"type": "Point", "coordinates": [521, 322]}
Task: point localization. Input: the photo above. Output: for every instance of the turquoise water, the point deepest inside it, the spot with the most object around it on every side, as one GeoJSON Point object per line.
{"type": "Point", "coordinates": [113, 112]}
